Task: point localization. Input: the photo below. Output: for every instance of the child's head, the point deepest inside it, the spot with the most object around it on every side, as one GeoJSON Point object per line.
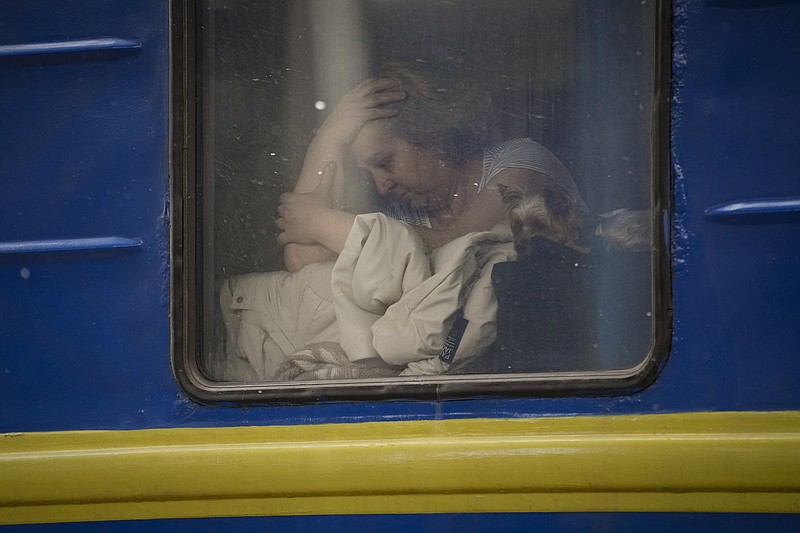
{"type": "Point", "coordinates": [442, 111]}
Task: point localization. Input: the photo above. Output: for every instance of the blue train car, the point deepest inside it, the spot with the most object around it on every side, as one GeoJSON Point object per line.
{"type": "Point", "coordinates": [118, 121]}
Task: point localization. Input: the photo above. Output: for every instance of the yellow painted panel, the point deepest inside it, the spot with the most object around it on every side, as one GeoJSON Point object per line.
{"type": "Point", "coordinates": [688, 462]}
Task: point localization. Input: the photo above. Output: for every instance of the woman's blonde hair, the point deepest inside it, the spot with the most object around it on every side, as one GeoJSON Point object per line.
{"type": "Point", "coordinates": [442, 111]}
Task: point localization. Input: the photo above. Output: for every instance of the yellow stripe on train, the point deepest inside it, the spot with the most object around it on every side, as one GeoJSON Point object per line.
{"type": "Point", "coordinates": [716, 462]}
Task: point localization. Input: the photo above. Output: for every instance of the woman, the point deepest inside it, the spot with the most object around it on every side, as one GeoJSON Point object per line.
{"type": "Point", "coordinates": [421, 138]}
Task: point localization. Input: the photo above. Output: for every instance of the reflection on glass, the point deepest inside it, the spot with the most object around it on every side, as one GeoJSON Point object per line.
{"type": "Point", "coordinates": [426, 188]}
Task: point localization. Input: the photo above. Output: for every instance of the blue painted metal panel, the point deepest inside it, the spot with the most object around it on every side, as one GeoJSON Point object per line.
{"type": "Point", "coordinates": [463, 523]}
{"type": "Point", "coordinates": [734, 135]}
{"type": "Point", "coordinates": [83, 171]}
{"type": "Point", "coordinates": [84, 340]}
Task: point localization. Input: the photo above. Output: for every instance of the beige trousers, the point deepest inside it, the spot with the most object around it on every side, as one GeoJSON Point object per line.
{"type": "Point", "coordinates": [271, 315]}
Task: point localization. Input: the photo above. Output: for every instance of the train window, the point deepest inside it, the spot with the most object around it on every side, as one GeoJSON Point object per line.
{"type": "Point", "coordinates": [411, 198]}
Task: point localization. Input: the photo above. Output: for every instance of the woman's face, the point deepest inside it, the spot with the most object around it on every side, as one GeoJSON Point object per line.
{"type": "Point", "coordinates": [401, 170]}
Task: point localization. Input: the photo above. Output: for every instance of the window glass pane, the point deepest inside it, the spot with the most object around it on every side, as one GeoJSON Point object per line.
{"type": "Point", "coordinates": [483, 204]}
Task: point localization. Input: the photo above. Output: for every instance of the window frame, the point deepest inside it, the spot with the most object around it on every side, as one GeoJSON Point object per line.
{"type": "Point", "coordinates": [187, 266]}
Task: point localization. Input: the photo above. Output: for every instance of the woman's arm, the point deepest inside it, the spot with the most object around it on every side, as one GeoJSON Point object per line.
{"type": "Point", "coordinates": [364, 103]}
{"type": "Point", "coordinates": [329, 227]}
{"type": "Point", "coordinates": [311, 224]}
{"type": "Point", "coordinates": [327, 150]}
{"type": "Point", "coordinates": [311, 231]}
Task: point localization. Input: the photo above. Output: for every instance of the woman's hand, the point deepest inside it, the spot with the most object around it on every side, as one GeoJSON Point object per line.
{"type": "Point", "coordinates": [296, 216]}
{"type": "Point", "coordinates": [367, 101]}
{"type": "Point", "coordinates": [296, 212]}
{"type": "Point", "coordinates": [308, 219]}
{"type": "Point", "coordinates": [310, 222]}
